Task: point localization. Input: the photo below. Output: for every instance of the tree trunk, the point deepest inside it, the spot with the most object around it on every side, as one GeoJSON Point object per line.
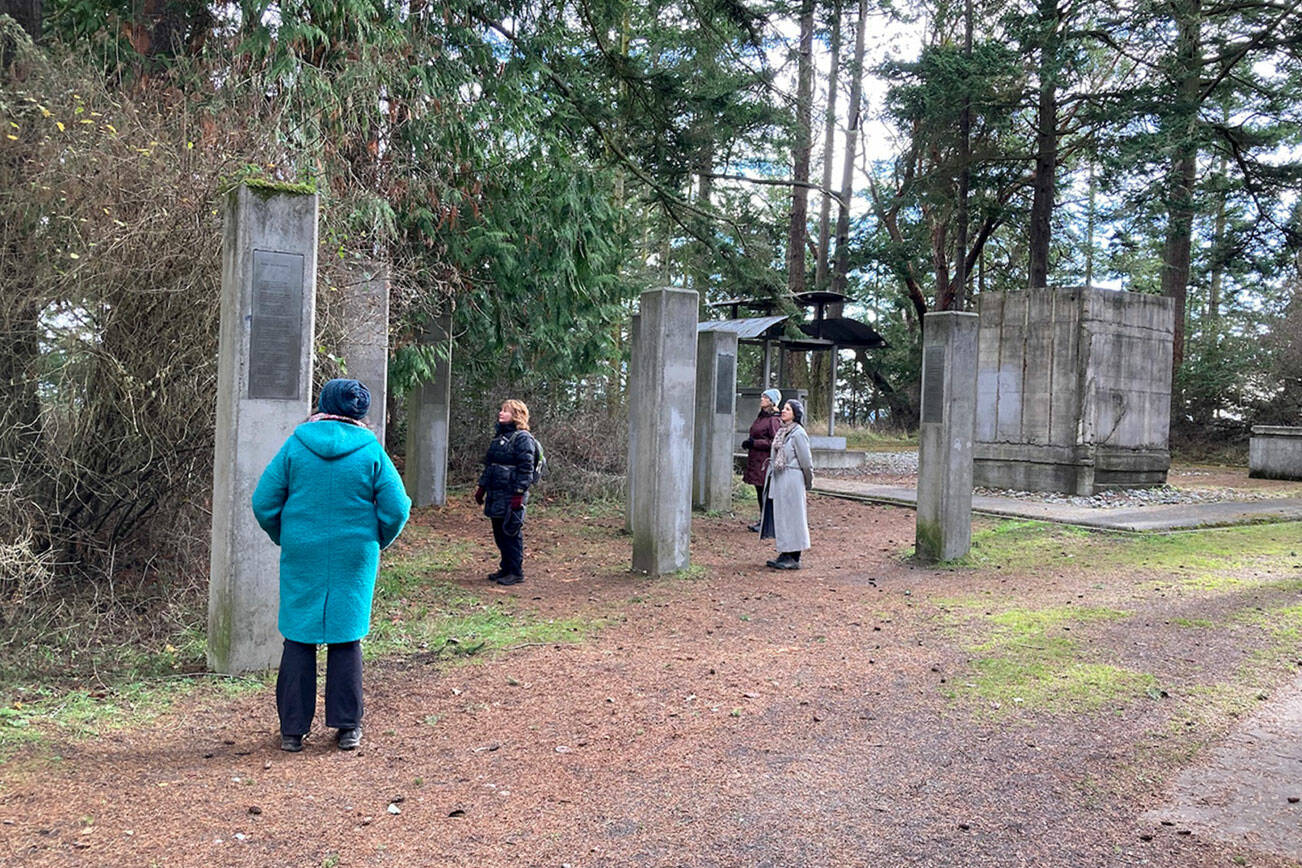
{"type": "Point", "coordinates": [800, 190]}
{"type": "Point", "coordinates": [823, 265]}
{"type": "Point", "coordinates": [1046, 149]}
{"type": "Point", "coordinates": [1089, 227]}
{"type": "Point", "coordinates": [1182, 176]}
{"type": "Point", "coordinates": [30, 15]}
{"type": "Point", "coordinates": [953, 296]}
{"type": "Point", "coordinates": [842, 268]}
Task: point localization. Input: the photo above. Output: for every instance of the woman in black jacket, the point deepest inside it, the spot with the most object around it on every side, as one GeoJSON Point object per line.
{"type": "Point", "coordinates": [504, 488]}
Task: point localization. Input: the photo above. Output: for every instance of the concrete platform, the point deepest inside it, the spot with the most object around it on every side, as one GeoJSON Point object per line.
{"type": "Point", "coordinates": [1158, 517]}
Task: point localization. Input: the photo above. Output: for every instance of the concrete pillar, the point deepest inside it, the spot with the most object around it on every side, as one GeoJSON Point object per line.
{"type": "Point", "coordinates": [662, 459]}
{"type": "Point", "coordinates": [716, 409]}
{"type": "Point", "coordinates": [365, 343]}
{"type": "Point", "coordinates": [635, 404]}
{"type": "Point", "coordinates": [946, 434]}
{"type": "Point", "coordinates": [264, 384]}
{"type": "Point", "coordinates": [429, 406]}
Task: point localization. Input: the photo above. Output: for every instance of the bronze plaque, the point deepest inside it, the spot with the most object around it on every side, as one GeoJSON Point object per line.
{"type": "Point", "coordinates": [276, 335]}
{"type": "Point", "coordinates": [933, 383]}
{"type": "Point", "coordinates": [725, 383]}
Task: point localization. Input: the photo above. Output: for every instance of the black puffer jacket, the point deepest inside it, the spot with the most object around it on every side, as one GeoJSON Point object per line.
{"type": "Point", "coordinates": [508, 468]}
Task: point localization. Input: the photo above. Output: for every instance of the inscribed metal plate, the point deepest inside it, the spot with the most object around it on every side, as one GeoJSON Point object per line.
{"type": "Point", "coordinates": [933, 383]}
{"type": "Point", "coordinates": [725, 383]}
{"type": "Point", "coordinates": [276, 334]}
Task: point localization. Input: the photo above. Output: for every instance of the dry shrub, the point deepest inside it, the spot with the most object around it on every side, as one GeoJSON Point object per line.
{"type": "Point", "coordinates": [585, 436]}
{"type": "Point", "coordinates": [110, 237]}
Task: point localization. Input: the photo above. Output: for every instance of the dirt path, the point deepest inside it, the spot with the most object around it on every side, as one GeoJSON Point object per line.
{"type": "Point", "coordinates": [739, 717]}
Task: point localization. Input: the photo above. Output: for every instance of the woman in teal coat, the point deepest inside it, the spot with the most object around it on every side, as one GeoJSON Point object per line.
{"type": "Point", "coordinates": [331, 499]}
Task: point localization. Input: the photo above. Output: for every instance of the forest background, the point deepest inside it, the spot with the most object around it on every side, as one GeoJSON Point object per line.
{"type": "Point", "coordinates": [533, 166]}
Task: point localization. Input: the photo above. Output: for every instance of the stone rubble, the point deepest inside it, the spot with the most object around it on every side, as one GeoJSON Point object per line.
{"type": "Point", "coordinates": [905, 464]}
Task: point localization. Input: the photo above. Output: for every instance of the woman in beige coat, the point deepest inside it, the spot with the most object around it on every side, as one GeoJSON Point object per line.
{"type": "Point", "coordinates": [791, 474]}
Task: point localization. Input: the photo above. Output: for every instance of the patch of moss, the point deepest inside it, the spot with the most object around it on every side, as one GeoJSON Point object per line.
{"type": "Point", "coordinates": [265, 187]}
{"type": "Point", "coordinates": [1204, 559]}
{"type": "Point", "coordinates": [1027, 663]}
{"type": "Point", "coordinates": [1015, 543]}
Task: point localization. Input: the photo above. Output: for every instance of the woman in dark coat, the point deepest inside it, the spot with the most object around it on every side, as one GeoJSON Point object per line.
{"type": "Point", "coordinates": [757, 444]}
{"type": "Point", "coordinates": [504, 488]}
{"type": "Point", "coordinates": [331, 499]}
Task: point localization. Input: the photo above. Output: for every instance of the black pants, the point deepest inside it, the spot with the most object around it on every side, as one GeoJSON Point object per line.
{"type": "Point", "coordinates": [759, 498]}
{"type": "Point", "coordinates": [511, 547]}
{"type": "Point", "coordinates": [296, 686]}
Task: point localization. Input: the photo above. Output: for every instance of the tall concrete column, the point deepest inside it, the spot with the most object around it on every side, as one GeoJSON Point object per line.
{"type": "Point", "coordinates": [264, 384]}
{"type": "Point", "coordinates": [365, 344]}
{"type": "Point", "coordinates": [716, 410]}
{"type": "Point", "coordinates": [429, 406]}
{"type": "Point", "coordinates": [662, 467]}
{"type": "Point", "coordinates": [635, 404]}
{"type": "Point", "coordinates": [946, 434]}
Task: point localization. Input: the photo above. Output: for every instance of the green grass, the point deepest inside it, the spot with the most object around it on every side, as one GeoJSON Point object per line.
{"type": "Point", "coordinates": [1028, 662]}
{"type": "Point", "coordinates": [417, 610]}
{"type": "Point", "coordinates": [869, 439]}
{"type": "Point", "coordinates": [1199, 559]}
{"type": "Point", "coordinates": [86, 712]}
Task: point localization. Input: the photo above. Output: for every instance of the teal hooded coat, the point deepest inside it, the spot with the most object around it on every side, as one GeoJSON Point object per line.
{"type": "Point", "coordinates": [331, 499]}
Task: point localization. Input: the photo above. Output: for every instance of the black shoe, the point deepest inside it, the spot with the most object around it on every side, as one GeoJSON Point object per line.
{"type": "Point", "coordinates": [494, 576]}
{"type": "Point", "coordinates": [291, 743]}
{"type": "Point", "coordinates": [753, 528]}
{"type": "Point", "coordinates": [786, 562]}
{"type": "Point", "coordinates": [777, 565]}
{"type": "Point", "coordinates": [350, 738]}
{"type": "Point", "coordinates": [511, 579]}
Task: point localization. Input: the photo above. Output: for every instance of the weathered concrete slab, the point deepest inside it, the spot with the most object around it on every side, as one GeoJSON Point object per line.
{"type": "Point", "coordinates": [716, 406]}
{"type": "Point", "coordinates": [946, 434]}
{"type": "Point", "coordinates": [662, 437]}
{"type": "Point", "coordinates": [264, 382]}
{"type": "Point", "coordinates": [1275, 452]}
{"type": "Point", "coordinates": [1156, 518]}
{"type": "Point", "coordinates": [1239, 792]}
{"type": "Point", "coordinates": [429, 409]}
{"type": "Point", "coordinates": [1073, 390]}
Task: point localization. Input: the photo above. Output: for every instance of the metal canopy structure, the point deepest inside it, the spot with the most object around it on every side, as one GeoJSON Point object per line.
{"type": "Point", "coordinates": [823, 334]}
{"type": "Point", "coordinates": [754, 329]}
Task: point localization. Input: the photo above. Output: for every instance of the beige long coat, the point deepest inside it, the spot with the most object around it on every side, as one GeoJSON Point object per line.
{"type": "Point", "coordinates": [786, 488]}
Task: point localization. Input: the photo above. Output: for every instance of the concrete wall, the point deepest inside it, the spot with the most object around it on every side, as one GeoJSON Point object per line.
{"type": "Point", "coordinates": [1073, 390]}
{"type": "Point", "coordinates": [1275, 452]}
{"type": "Point", "coordinates": [663, 437]}
{"type": "Point", "coordinates": [365, 342]}
{"type": "Point", "coordinates": [264, 382]}
{"type": "Point", "coordinates": [429, 407]}
{"type": "Point", "coordinates": [715, 420]}
{"type": "Point", "coordinates": [945, 436]}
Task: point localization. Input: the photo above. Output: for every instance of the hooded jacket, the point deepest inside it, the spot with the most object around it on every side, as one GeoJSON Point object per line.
{"type": "Point", "coordinates": [331, 499]}
{"type": "Point", "coordinates": [508, 469]}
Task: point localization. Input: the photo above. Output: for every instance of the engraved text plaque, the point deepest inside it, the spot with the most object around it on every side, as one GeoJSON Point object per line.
{"type": "Point", "coordinates": [724, 385]}
{"type": "Point", "coordinates": [933, 383]}
{"type": "Point", "coordinates": [276, 335]}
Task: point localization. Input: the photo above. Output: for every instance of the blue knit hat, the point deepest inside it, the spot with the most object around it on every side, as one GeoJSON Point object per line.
{"type": "Point", "coordinates": [344, 398]}
{"type": "Point", "coordinates": [773, 395]}
{"type": "Point", "coordinates": [797, 411]}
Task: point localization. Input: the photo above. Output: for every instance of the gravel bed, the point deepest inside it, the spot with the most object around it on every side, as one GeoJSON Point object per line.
{"type": "Point", "coordinates": [905, 464]}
